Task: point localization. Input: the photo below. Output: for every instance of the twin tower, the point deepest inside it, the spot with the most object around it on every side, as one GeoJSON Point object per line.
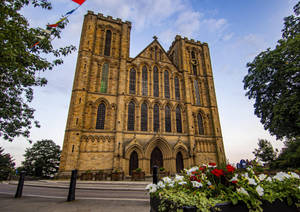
{"type": "Point", "coordinates": [158, 108]}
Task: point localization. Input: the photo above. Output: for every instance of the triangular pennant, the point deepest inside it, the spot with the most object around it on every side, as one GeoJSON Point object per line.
{"type": "Point", "coordinates": [61, 20]}
{"type": "Point", "coordinates": [52, 25]}
{"type": "Point", "coordinates": [79, 1]}
{"type": "Point", "coordinates": [70, 12]}
{"type": "Point", "coordinates": [41, 37]}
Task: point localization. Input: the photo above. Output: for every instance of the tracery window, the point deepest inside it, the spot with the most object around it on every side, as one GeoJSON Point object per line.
{"type": "Point", "coordinates": [155, 82]}
{"type": "Point", "coordinates": [177, 91]}
{"type": "Point", "coordinates": [100, 116]}
{"type": "Point", "coordinates": [196, 88]}
{"type": "Point", "coordinates": [131, 116]}
{"type": "Point", "coordinates": [104, 78]}
{"type": "Point", "coordinates": [200, 124]}
{"type": "Point", "coordinates": [132, 81]}
{"type": "Point", "coordinates": [167, 84]}
{"type": "Point", "coordinates": [144, 117]}
{"type": "Point", "coordinates": [168, 119]}
{"type": "Point", "coordinates": [144, 81]}
{"type": "Point", "coordinates": [156, 118]}
{"type": "Point", "coordinates": [107, 43]}
{"type": "Point", "coordinates": [178, 120]}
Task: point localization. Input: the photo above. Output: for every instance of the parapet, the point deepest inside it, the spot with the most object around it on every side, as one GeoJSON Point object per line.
{"type": "Point", "coordinates": [109, 18]}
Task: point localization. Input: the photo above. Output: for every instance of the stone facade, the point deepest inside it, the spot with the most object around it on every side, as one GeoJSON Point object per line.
{"type": "Point", "coordinates": [158, 108]}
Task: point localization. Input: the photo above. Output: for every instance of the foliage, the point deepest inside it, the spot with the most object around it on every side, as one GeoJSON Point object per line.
{"type": "Point", "coordinates": [7, 165]}
{"type": "Point", "coordinates": [20, 65]}
{"type": "Point", "coordinates": [138, 170]}
{"type": "Point", "coordinates": [290, 155]}
{"type": "Point", "coordinates": [42, 159]}
{"type": "Point", "coordinates": [265, 151]}
{"type": "Point", "coordinates": [208, 185]}
{"type": "Point", "coordinates": [273, 81]}
{"type": "Point", "coordinates": [161, 169]}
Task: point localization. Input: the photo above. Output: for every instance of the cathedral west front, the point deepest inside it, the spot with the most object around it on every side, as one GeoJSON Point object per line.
{"type": "Point", "coordinates": [158, 108]}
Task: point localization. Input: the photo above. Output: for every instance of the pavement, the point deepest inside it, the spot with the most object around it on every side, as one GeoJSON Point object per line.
{"type": "Point", "coordinates": [45, 203]}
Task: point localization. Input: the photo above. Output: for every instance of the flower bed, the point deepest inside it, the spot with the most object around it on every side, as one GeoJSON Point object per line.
{"type": "Point", "coordinates": [208, 187]}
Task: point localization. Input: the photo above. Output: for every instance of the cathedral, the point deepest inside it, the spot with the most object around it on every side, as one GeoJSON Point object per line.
{"type": "Point", "coordinates": [158, 108]}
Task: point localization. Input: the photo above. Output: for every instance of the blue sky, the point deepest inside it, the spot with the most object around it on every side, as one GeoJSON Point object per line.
{"type": "Point", "coordinates": [235, 30]}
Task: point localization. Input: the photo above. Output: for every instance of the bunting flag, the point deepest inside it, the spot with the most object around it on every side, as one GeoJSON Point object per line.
{"type": "Point", "coordinates": [47, 31]}
{"type": "Point", "coordinates": [79, 1]}
{"type": "Point", "coordinates": [41, 37]}
{"type": "Point", "coordinates": [52, 25]}
{"type": "Point", "coordinates": [61, 20]}
{"type": "Point", "coordinates": [70, 12]}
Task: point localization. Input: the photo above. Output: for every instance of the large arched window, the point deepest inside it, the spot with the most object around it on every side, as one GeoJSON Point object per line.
{"type": "Point", "coordinates": [144, 81]}
{"type": "Point", "coordinates": [100, 117]}
{"type": "Point", "coordinates": [131, 116]}
{"type": "Point", "coordinates": [167, 84]}
{"type": "Point", "coordinates": [155, 82]}
{"type": "Point", "coordinates": [144, 117]}
{"type": "Point", "coordinates": [104, 78]}
{"type": "Point", "coordinates": [177, 91]}
{"type": "Point", "coordinates": [178, 120]}
{"type": "Point", "coordinates": [156, 118]}
{"type": "Point", "coordinates": [168, 119]}
{"type": "Point", "coordinates": [132, 78]}
{"type": "Point", "coordinates": [200, 124]}
{"type": "Point", "coordinates": [197, 93]}
{"type": "Point", "coordinates": [107, 43]}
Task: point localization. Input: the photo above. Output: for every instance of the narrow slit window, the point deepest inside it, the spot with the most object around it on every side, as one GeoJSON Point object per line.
{"type": "Point", "coordinates": [107, 43]}
{"type": "Point", "coordinates": [167, 85]}
{"type": "Point", "coordinates": [104, 78]}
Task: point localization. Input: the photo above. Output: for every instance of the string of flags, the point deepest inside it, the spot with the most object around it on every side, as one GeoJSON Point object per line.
{"type": "Point", "coordinates": [64, 17]}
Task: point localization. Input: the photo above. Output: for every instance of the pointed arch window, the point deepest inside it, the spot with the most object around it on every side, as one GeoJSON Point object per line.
{"type": "Point", "coordinates": [107, 43]}
{"type": "Point", "coordinates": [193, 55]}
{"type": "Point", "coordinates": [197, 93]}
{"type": "Point", "coordinates": [167, 85]}
{"type": "Point", "coordinates": [155, 82]}
{"type": "Point", "coordinates": [144, 81]}
{"type": "Point", "coordinates": [177, 91]}
{"type": "Point", "coordinates": [104, 78]}
{"type": "Point", "coordinates": [200, 124]}
{"type": "Point", "coordinates": [168, 119]}
{"type": "Point", "coordinates": [132, 79]}
{"type": "Point", "coordinates": [178, 120]}
{"type": "Point", "coordinates": [100, 116]}
{"type": "Point", "coordinates": [194, 63]}
{"type": "Point", "coordinates": [156, 118]}
{"type": "Point", "coordinates": [131, 116]}
{"type": "Point", "coordinates": [144, 117]}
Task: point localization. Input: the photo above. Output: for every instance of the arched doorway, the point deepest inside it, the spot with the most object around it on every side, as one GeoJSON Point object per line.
{"type": "Point", "coordinates": [133, 162]}
{"type": "Point", "coordinates": [156, 158]}
{"type": "Point", "coordinates": [179, 162]}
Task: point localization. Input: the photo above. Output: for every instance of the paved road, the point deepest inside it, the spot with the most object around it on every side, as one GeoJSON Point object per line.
{"type": "Point", "coordinates": [54, 199]}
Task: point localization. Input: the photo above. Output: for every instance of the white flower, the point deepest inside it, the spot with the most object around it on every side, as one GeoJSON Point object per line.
{"type": "Point", "coordinates": [242, 191]}
{"type": "Point", "coordinates": [151, 187]}
{"type": "Point", "coordinates": [269, 179]}
{"type": "Point", "coordinates": [171, 184]}
{"type": "Point", "coordinates": [294, 175]}
{"type": "Point", "coordinates": [235, 178]}
{"type": "Point", "coordinates": [178, 178]}
{"type": "Point", "coordinates": [167, 180]}
{"type": "Point", "coordinates": [193, 169]}
{"type": "Point", "coordinates": [281, 176]}
{"type": "Point", "coordinates": [160, 184]}
{"type": "Point", "coordinates": [196, 184]}
{"type": "Point", "coordinates": [252, 181]}
{"type": "Point", "coordinates": [182, 183]}
{"type": "Point", "coordinates": [260, 190]}
{"type": "Point", "coordinates": [208, 183]}
{"type": "Point", "coordinates": [262, 176]}
{"type": "Point", "coordinates": [246, 175]}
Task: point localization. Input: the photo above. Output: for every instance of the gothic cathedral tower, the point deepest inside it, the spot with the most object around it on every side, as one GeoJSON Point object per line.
{"type": "Point", "coordinates": [158, 108]}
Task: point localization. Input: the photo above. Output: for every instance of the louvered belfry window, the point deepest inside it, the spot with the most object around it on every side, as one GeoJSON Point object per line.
{"type": "Point", "coordinates": [167, 85]}
{"type": "Point", "coordinates": [101, 116]}
{"type": "Point", "coordinates": [155, 82]}
{"type": "Point", "coordinates": [132, 81]}
{"type": "Point", "coordinates": [168, 119]}
{"type": "Point", "coordinates": [144, 117]}
{"type": "Point", "coordinates": [144, 81]}
{"type": "Point", "coordinates": [107, 43]}
{"type": "Point", "coordinates": [177, 91]}
{"type": "Point", "coordinates": [156, 118]}
{"type": "Point", "coordinates": [131, 116]}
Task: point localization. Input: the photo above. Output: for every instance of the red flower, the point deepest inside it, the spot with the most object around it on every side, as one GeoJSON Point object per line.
{"type": "Point", "coordinates": [230, 168]}
{"type": "Point", "coordinates": [202, 168]}
{"type": "Point", "coordinates": [212, 164]}
{"type": "Point", "coordinates": [217, 172]}
{"type": "Point", "coordinates": [234, 181]}
{"type": "Point", "coordinates": [193, 178]}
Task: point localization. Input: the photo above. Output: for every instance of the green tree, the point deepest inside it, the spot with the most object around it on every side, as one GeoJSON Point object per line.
{"type": "Point", "coordinates": [273, 81]}
{"type": "Point", "coordinates": [42, 159]}
{"type": "Point", "coordinates": [265, 151]}
{"type": "Point", "coordinates": [20, 65]}
{"type": "Point", "coordinates": [7, 164]}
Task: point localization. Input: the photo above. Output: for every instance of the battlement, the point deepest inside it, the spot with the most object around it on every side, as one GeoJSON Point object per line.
{"type": "Point", "coordinates": [109, 18]}
{"type": "Point", "coordinates": [186, 40]}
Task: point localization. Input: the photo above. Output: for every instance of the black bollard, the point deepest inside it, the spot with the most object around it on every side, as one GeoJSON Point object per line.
{"type": "Point", "coordinates": [72, 188]}
{"type": "Point", "coordinates": [155, 176]}
{"type": "Point", "coordinates": [20, 185]}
